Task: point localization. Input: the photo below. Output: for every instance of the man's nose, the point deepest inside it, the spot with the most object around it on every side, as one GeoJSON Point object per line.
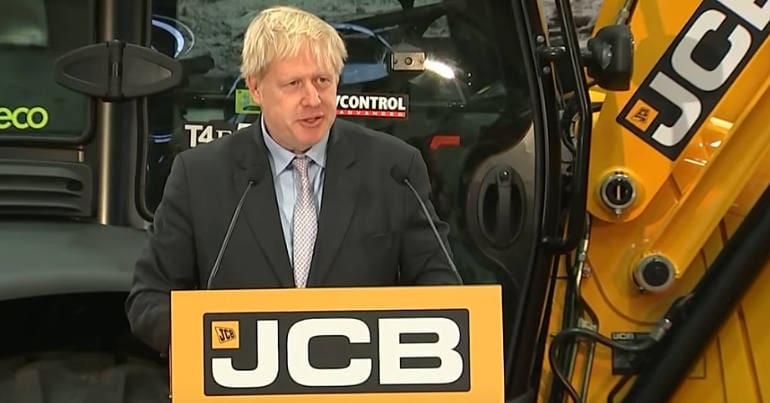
{"type": "Point", "coordinates": [311, 97]}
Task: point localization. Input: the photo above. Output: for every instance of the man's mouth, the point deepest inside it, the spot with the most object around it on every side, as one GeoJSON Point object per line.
{"type": "Point", "coordinates": [311, 121]}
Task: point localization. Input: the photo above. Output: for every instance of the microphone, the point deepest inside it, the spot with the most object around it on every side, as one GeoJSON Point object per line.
{"type": "Point", "coordinates": [398, 174]}
{"type": "Point", "coordinates": [253, 178]}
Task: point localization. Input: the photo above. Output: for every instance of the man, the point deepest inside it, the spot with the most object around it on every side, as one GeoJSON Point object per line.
{"type": "Point", "coordinates": [320, 205]}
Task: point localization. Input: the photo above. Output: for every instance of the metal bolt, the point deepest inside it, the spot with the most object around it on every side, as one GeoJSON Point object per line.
{"type": "Point", "coordinates": [654, 273]}
{"type": "Point", "coordinates": [586, 271]}
{"type": "Point", "coordinates": [618, 192]}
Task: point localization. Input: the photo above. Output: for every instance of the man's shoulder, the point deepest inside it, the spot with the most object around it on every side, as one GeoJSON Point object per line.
{"type": "Point", "coordinates": [363, 137]}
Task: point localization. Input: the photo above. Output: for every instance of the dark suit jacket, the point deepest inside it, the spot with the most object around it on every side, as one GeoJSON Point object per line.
{"type": "Point", "coordinates": [371, 230]}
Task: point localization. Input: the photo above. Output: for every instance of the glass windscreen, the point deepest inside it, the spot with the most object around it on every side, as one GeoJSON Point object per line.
{"type": "Point", "coordinates": [464, 108]}
{"type": "Point", "coordinates": [33, 33]}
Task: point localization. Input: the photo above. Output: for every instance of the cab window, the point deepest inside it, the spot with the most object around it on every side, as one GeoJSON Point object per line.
{"type": "Point", "coordinates": [33, 33]}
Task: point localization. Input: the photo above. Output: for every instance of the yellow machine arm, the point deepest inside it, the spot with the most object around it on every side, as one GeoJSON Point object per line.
{"type": "Point", "coordinates": [677, 161]}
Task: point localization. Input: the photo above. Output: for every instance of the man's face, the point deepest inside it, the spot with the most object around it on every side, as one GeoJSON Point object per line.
{"type": "Point", "coordinates": [298, 97]}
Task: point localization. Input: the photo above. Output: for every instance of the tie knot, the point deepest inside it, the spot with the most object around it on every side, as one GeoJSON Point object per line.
{"type": "Point", "coordinates": [300, 163]}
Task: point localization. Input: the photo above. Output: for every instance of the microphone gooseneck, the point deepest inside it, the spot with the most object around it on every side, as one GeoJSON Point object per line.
{"type": "Point", "coordinates": [215, 267]}
{"type": "Point", "coordinates": [400, 176]}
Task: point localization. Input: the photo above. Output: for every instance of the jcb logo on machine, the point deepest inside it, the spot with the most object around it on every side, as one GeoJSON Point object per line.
{"type": "Point", "coordinates": [337, 352]}
{"type": "Point", "coordinates": [23, 118]}
{"type": "Point", "coordinates": [642, 115]}
{"type": "Point", "coordinates": [696, 71]}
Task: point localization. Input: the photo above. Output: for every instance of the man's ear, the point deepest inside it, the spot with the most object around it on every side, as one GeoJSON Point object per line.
{"type": "Point", "coordinates": [253, 85]}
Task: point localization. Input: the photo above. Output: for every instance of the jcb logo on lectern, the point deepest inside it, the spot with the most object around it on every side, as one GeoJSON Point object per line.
{"type": "Point", "coordinates": [225, 335]}
{"type": "Point", "coordinates": [337, 352]}
{"type": "Point", "coordinates": [23, 118]}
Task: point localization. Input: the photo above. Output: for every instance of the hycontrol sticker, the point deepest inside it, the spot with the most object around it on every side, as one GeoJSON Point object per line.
{"type": "Point", "coordinates": [394, 106]}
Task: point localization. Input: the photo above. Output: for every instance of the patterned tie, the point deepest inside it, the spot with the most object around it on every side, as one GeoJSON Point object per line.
{"type": "Point", "coordinates": [305, 225]}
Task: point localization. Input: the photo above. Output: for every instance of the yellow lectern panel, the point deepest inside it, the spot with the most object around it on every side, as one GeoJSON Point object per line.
{"type": "Point", "coordinates": [342, 345]}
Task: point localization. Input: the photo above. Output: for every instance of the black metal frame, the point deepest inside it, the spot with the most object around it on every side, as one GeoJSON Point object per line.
{"type": "Point", "coordinates": [523, 363]}
{"type": "Point", "coordinates": [117, 149]}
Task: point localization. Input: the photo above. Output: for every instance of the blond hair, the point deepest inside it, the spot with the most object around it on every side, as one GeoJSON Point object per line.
{"type": "Point", "coordinates": [280, 32]}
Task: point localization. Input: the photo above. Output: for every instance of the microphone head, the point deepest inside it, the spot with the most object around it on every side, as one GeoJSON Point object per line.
{"type": "Point", "coordinates": [398, 174]}
{"type": "Point", "coordinates": [255, 174]}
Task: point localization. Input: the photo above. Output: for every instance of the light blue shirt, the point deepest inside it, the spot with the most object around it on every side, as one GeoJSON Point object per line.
{"type": "Point", "coordinates": [285, 180]}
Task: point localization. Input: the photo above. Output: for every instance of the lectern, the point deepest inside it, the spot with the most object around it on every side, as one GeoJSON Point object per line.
{"type": "Point", "coordinates": [338, 345]}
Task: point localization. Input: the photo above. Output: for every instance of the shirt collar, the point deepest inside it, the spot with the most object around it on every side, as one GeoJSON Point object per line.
{"type": "Point", "coordinates": [282, 157]}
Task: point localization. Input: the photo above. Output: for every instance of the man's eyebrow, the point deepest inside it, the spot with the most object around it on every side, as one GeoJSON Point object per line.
{"type": "Point", "coordinates": [301, 76]}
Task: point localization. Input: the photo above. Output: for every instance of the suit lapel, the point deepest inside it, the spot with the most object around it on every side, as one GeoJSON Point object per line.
{"type": "Point", "coordinates": [261, 208]}
{"type": "Point", "coordinates": [338, 205]}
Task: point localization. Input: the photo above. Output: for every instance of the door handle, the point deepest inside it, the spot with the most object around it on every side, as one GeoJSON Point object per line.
{"type": "Point", "coordinates": [500, 206]}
